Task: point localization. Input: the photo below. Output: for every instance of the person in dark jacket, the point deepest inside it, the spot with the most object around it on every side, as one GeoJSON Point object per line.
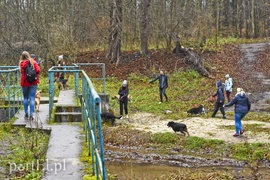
{"type": "Point", "coordinates": [163, 84]}
{"type": "Point", "coordinates": [220, 100]}
{"type": "Point", "coordinates": [242, 107]}
{"type": "Point", "coordinates": [123, 98]}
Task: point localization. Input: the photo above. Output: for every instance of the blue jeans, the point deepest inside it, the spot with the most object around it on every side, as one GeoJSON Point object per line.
{"type": "Point", "coordinates": [238, 124]}
{"type": "Point", "coordinates": [29, 94]}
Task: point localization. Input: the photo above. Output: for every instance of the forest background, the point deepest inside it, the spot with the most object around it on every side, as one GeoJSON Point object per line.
{"type": "Point", "coordinates": [70, 27]}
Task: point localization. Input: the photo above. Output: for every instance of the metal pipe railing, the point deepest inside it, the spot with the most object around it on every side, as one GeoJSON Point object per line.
{"type": "Point", "coordinates": [11, 93]}
{"type": "Point", "coordinates": [93, 126]}
{"type": "Point", "coordinates": [90, 103]}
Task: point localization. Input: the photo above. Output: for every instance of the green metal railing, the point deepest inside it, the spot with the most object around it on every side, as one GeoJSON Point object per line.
{"type": "Point", "coordinates": [91, 103]}
{"type": "Point", "coordinates": [93, 126]}
{"type": "Point", "coordinates": [10, 90]}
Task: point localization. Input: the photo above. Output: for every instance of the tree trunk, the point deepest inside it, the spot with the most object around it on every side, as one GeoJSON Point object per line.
{"type": "Point", "coordinates": [115, 37]}
{"type": "Point", "coordinates": [217, 21]}
{"type": "Point", "coordinates": [190, 58]}
{"type": "Point", "coordinates": [145, 27]}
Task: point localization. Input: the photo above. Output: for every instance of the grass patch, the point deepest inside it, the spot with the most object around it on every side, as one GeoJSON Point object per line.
{"type": "Point", "coordinates": [254, 128]}
{"type": "Point", "coordinates": [23, 148]}
{"type": "Point", "coordinates": [182, 93]}
{"type": "Point", "coordinates": [258, 116]}
{"type": "Point", "coordinates": [194, 143]}
{"type": "Point", "coordinates": [164, 138]}
{"type": "Point", "coordinates": [250, 152]}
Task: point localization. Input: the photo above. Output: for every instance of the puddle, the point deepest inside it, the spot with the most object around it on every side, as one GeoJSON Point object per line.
{"type": "Point", "coordinates": [130, 170]}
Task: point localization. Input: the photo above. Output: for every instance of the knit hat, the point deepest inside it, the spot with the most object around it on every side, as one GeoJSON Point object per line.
{"type": "Point", "coordinates": [33, 55]}
{"type": "Point", "coordinates": [125, 82]}
{"type": "Point", "coordinates": [227, 76]}
{"type": "Point", "coordinates": [61, 57]}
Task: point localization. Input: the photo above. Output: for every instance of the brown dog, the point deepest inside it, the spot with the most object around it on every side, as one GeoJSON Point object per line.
{"type": "Point", "coordinates": [37, 99]}
{"type": "Point", "coordinates": [61, 82]}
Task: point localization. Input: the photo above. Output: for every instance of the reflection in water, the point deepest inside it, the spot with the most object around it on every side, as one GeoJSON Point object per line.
{"type": "Point", "coordinates": [151, 171]}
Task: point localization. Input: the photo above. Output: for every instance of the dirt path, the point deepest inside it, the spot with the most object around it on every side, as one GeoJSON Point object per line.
{"type": "Point", "coordinates": [211, 128]}
{"type": "Point", "coordinates": [250, 54]}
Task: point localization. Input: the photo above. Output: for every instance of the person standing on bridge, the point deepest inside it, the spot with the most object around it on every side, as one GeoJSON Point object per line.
{"type": "Point", "coordinates": [28, 88]}
{"type": "Point", "coordinates": [241, 108]}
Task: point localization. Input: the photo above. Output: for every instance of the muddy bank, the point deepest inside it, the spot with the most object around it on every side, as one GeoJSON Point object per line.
{"type": "Point", "coordinates": [171, 158]}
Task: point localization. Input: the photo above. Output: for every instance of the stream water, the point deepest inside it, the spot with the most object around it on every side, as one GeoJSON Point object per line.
{"type": "Point", "coordinates": [135, 163]}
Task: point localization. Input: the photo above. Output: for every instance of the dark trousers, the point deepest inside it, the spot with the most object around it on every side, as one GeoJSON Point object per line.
{"type": "Point", "coordinates": [228, 95]}
{"type": "Point", "coordinates": [125, 105]}
{"type": "Point", "coordinates": [218, 106]}
{"type": "Point", "coordinates": [162, 91]}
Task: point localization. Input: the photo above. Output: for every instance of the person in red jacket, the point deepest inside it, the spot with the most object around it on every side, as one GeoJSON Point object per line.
{"type": "Point", "coordinates": [28, 89]}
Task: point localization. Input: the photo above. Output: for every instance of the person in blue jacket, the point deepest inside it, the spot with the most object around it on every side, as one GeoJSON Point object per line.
{"type": "Point", "coordinates": [163, 84]}
{"type": "Point", "coordinates": [242, 107]}
{"type": "Point", "coordinates": [220, 100]}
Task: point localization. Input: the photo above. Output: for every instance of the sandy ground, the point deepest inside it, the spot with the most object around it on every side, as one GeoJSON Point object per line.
{"type": "Point", "coordinates": [210, 128]}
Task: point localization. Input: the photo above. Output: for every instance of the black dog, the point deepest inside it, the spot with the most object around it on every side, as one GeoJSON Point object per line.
{"type": "Point", "coordinates": [106, 116]}
{"type": "Point", "coordinates": [198, 110]}
{"type": "Point", "coordinates": [178, 127]}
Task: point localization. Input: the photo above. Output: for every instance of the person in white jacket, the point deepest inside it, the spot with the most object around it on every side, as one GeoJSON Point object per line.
{"type": "Point", "coordinates": [228, 86]}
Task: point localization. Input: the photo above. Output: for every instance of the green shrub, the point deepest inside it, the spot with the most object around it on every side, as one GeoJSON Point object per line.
{"type": "Point", "coordinates": [164, 138]}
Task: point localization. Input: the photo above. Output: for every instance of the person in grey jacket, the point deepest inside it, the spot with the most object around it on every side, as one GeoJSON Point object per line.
{"type": "Point", "coordinates": [242, 107]}
{"type": "Point", "coordinates": [220, 100]}
{"type": "Point", "coordinates": [163, 84]}
{"type": "Point", "coordinates": [228, 86]}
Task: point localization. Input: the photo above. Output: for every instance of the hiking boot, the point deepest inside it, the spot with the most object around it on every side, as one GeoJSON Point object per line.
{"type": "Point", "coordinates": [31, 118]}
{"type": "Point", "coordinates": [241, 131]}
{"type": "Point", "coordinates": [26, 117]}
{"type": "Point", "coordinates": [224, 117]}
{"type": "Point", "coordinates": [236, 135]}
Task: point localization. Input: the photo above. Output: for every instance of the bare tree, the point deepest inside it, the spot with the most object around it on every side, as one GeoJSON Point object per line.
{"type": "Point", "coordinates": [145, 27]}
{"type": "Point", "coordinates": [114, 54]}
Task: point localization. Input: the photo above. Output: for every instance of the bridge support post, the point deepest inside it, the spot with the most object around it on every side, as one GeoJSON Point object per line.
{"type": "Point", "coordinates": [104, 102]}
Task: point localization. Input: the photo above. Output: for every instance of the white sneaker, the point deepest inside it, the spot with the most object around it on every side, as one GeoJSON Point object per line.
{"type": "Point", "coordinates": [159, 103]}
{"type": "Point", "coordinates": [127, 116]}
{"type": "Point", "coordinates": [121, 117]}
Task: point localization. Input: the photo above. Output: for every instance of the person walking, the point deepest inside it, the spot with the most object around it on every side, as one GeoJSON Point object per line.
{"type": "Point", "coordinates": [242, 107]}
{"type": "Point", "coordinates": [123, 98]}
{"type": "Point", "coordinates": [228, 86]}
{"type": "Point", "coordinates": [28, 88]}
{"type": "Point", "coordinates": [163, 85]}
{"type": "Point", "coordinates": [220, 100]}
